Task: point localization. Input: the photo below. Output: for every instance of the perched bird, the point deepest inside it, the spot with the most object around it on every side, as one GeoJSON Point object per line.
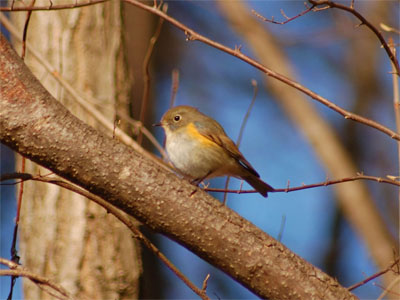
{"type": "Point", "coordinates": [199, 148]}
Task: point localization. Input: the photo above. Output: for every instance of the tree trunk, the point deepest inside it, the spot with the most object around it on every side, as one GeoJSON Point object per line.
{"type": "Point", "coordinates": [62, 235]}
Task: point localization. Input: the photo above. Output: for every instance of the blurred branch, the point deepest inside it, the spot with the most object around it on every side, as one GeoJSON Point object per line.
{"type": "Point", "coordinates": [44, 283]}
{"type": "Point", "coordinates": [364, 21]}
{"type": "Point", "coordinates": [51, 6]}
{"type": "Point", "coordinates": [192, 35]}
{"type": "Point", "coordinates": [389, 289]}
{"type": "Point", "coordinates": [146, 72]}
{"type": "Point", "coordinates": [137, 234]}
{"type": "Point", "coordinates": [174, 86]}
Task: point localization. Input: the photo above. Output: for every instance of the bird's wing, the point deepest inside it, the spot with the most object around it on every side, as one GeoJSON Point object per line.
{"type": "Point", "coordinates": [215, 133]}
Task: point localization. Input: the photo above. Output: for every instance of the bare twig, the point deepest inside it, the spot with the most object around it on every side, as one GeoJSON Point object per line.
{"type": "Point", "coordinates": [241, 131]}
{"type": "Point", "coordinates": [258, 15]}
{"type": "Point", "coordinates": [51, 6]}
{"type": "Point", "coordinates": [396, 104]}
{"type": "Point", "coordinates": [44, 283]}
{"type": "Point", "coordinates": [365, 22]}
{"type": "Point", "coordinates": [146, 72]}
{"type": "Point", "coordinates": [314, 185]}
{"type": "Point", "coordinates": [118, 214]}
{"type": "Point", "coordinates": [14, 252]}
{"type": "Point", "coordinates": [205, 283]}
{"type": "Point", "coordinates": [376, 275]}
{"type": "Point", "coordinates": [191, 35]}
{"type": "Point", "coordinates": [25, 33]}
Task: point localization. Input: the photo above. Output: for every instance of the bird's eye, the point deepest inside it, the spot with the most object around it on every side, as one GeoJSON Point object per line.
{"type": "Point", "coordinates": [177, 118]}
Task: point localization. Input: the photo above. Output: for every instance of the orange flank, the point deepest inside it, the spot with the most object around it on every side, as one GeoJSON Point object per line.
{"type": "Point", "coordinates": [192, 130]}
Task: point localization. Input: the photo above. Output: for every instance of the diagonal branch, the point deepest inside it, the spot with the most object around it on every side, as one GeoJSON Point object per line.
{"type": "Point", "coordinates": [34, 124]}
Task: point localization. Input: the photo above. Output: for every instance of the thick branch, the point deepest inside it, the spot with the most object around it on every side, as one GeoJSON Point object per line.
{"type": "Point", "coordinates": [33, 123]}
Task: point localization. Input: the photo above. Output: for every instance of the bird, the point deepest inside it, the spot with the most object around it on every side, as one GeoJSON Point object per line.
{"type": "Point", "coordinates": [199, 149]}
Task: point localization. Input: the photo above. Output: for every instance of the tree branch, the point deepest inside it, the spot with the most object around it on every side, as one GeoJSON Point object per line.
{"type": "Point", "coordinates": [34, 124]}
{"type": "Point", "coordinates": [44, 283]}
{"type": "Point", "coordinates": [365, 22]}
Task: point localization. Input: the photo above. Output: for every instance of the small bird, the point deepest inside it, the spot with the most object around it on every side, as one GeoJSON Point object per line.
{"type": "Point", "coordinates": [199, 148]}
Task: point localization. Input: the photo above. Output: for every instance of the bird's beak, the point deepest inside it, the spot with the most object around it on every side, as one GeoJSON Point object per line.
{"type": "Point", "coordinates": [157, 124]}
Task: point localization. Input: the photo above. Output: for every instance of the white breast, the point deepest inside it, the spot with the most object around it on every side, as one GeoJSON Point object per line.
{"type": "Point", "coordinates": [191, 158]}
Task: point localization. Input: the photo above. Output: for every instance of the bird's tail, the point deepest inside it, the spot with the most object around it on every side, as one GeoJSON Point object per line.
{"type": "Point", "coordinates": [259, 185]}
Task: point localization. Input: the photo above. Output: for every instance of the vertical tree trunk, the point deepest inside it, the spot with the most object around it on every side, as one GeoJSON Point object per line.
{"type": "Point", "coordinates": [62, 235]}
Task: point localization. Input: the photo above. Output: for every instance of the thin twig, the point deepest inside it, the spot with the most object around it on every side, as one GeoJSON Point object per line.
{"type": "Point", "coordinates": [51, 6]}
{"type": "Point", "coordinates": [242, 127]}
{"type": "Point", "coordinates": [314, 185]}
{"type": "Point", "coordinates": [118, 214]}
{"type": "Point", "coordinates": [365, 22]}
{"type": "Point", "coordinates": [396, 105]}
{"type": "Point", "coordinates": [25, 32]}
{"type": "Point", "coordinates": [376, 275]}
{"type": "Point", "coordinates": [205, 283]}
{"type": "Point", "coordinates": [14, 252]}
{"type": "Point", "coordinates": [258, 15]}
{"type": "Point", "coordinates": [191, 35]}
{"type": "Point", "coordinates": [43, 282]}
{"type": "Point", "coordinates": [146, 72]}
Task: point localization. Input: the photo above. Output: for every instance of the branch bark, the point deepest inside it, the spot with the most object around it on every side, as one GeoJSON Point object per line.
{"type": "Point", "coordinates": [34, 124]}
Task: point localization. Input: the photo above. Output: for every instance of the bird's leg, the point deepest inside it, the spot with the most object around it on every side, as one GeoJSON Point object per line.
{"type": "Point", "coordinates": [197, 181]}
